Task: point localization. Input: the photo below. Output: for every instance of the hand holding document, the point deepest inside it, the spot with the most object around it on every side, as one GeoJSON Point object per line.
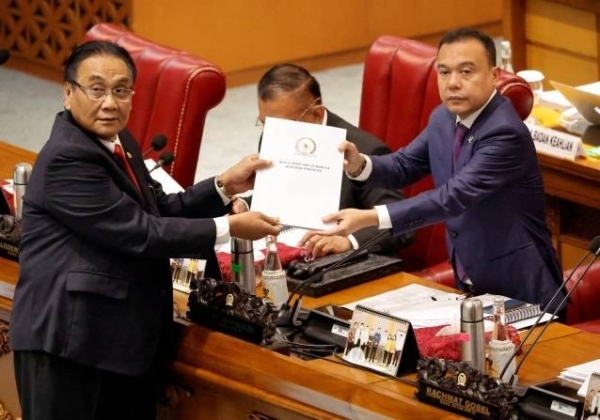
{"type": "Point", "coordinates": [304, 182]}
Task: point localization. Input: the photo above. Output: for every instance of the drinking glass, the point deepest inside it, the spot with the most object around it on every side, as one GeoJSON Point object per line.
{"type": "Point", "coordinates": [535, 79]}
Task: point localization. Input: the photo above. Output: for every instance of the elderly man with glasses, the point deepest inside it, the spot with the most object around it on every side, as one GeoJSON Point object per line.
{"type": "Point", "coordinates": [93, 307]}
{"type": "Point", "coordinates": [290, 92]}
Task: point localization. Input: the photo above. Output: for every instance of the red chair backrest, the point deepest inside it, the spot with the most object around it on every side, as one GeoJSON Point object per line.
{"type": "Point", "coordinates": [585, 299]}
{"type": "Point", "coordinates": [174, 91]}
{"type": "Point", "coordinates": [399, 92]}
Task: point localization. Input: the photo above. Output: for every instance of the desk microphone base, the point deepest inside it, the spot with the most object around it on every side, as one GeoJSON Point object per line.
{"type": "Point", "coordinates": [553, 400]}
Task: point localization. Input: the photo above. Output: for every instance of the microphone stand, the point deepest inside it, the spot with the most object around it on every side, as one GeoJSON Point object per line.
{"type": "Point", "coordinates": [593, 248]}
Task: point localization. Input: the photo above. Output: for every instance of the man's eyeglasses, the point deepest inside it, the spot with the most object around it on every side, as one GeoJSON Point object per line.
{"type": "Point", "coordinates": [99, 93]}
{"type": "Point", "coordinates": [261, 124]}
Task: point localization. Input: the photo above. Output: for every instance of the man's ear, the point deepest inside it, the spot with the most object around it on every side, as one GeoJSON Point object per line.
{"type": "Point", "coordinates": [67, 89]}
{"type": "Point", "coordinates": [319, 113]}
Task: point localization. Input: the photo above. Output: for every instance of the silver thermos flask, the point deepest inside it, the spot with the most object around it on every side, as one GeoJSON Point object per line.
{"type": "Point", "coordinates": [21, 175]}
{"type": "Point", "coordinates": [471, 327]}
{"type": "Point", "coordinates": [242, 264]}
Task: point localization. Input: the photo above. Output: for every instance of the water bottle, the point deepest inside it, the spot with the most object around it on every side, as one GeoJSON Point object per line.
{"type": "Point", "coordinates": [471, 328]}
{"type": "Point", "coordinates": [273, 276]}
{"type": "Point", "coordinates": [506, 57]}
{"type": "Point", "coordinates": [242, 264]}
{"type": "Point", "coordinates": [501, 348]}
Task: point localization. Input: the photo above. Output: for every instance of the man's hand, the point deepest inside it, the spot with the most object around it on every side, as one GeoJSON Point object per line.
{"type": "Point", "coordinates": [239, 205]}
{"type": "Point", "coordinates": [322, 245]}
{"type": "Point", "coordinates": [240, 177]}
{"type": "Point", "coordinates": [253, 225]}
{"type": "Point", "coordinates": [353, 160]}
{"type": "Point", "coordinates": [348, 221]}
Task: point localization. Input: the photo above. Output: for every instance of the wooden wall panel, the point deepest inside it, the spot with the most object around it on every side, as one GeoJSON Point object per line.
{"type": "Point", "coordinates": [41, 33]}
{"type": "Point", "coordinates": [561, 27]}
{"type": "Point", "coordinates": [245, 37]}
{"type": "Point", "coordinates": [561, 66]}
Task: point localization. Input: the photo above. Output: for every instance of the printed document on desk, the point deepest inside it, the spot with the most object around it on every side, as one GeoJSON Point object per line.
{"type": "Point", "coordinates": [304, 182]}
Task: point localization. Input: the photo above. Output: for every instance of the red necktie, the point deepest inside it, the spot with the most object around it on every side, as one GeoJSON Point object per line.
{"type": "Point", "coordinates": [121, 155]}
{"type": "Point", "coordinates": [459, 138]}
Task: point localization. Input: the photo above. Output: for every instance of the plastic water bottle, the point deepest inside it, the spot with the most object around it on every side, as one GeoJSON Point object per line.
{"type": "Point", "coordinates": [506, 57]}
{"type": "Point", "coordinates": [273, 276]}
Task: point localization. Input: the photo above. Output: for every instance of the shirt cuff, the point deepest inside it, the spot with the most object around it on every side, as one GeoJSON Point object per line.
{"type": "Point", "coordinates": [364, 175]}
{"type": "Point", "coordinates": [385, 222]}
{"type": "Point", "coordinates": [222, 224]}
{"type": "Point", "coordinates": [226, 200]}
{"type": "Point", "coordinates": [353, 241]}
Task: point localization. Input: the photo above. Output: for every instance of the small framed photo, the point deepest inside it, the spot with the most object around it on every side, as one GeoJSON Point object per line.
{"type": "Point", "coordinates": [184, 270]}
{"type": "Point", "coordinates": [381, 342]}
{"type": "Point", "coordinates": [591, 406]}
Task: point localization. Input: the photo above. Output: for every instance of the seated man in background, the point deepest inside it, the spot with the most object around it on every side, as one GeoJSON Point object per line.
{"type": "Point", "coordinates": [290, 92]}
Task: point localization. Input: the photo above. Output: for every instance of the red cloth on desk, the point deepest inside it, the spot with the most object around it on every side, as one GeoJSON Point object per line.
{"type": "Point", "coordinates": [7, 196]}
{"type": "Point", "coordinates": [448, 346]}
{"type": "Point", "coordinates": [286, 254]}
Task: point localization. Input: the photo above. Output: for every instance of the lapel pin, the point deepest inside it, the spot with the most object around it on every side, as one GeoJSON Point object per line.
{"type": "Point", "coordinates": [129, 155]}
{"type": "Point", "coordinates": [470, 140]}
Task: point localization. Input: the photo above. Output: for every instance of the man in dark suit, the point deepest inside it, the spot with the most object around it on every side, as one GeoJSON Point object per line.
{"type": "Point", "coordinates": [289, 91]}
{"type": "Point", "coordinates": [491, 195]}
{"type": "Point", "coordinates": [93, 305]}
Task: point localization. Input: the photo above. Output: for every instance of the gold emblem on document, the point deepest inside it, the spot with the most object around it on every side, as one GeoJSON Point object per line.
{"type": "Point", "coordinates": [305, 146]}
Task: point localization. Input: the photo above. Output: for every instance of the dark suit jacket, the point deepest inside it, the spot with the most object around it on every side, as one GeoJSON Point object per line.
{"type": "Point", "coordinates": [492, 202]}
{"type": "Point", "coordinates": [94, 283]}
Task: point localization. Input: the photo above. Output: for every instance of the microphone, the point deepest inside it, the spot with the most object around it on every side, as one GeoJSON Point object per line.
{"type": "Point", "coordinates": [593, 248]}
{"type": "Point", "coordinates": [157, 144]}
{"type": "Point", "coordinates": [21, 175]}
{"type": "Point", "coordinates": [288, 314]}
{"type": "Point", "coordinates": [4, 55]}
{"type": "Point", "coordinates": [165, 159]}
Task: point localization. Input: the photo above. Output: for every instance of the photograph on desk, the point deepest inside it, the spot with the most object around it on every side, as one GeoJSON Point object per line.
{"type": "Point", "coordinates": [591, 407]}
{"type": "Point", "coordinates": [380, 341]}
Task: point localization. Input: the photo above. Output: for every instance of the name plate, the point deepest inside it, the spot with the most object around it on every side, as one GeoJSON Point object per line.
{"type": "Point", "coordinates": [555, 143]}
{"type": "Point", "coordinates": [458, 387]}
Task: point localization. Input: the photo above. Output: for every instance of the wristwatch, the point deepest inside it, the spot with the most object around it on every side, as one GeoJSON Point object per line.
{"type": "Point", "coordinates": [222, 188]}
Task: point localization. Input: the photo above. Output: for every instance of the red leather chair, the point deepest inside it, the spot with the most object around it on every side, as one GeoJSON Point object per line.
{"type": "Point", "coordinates": [399, 92]}
{"type": "Point", "coordinates": [174, 91]}
{"type": "Point", "coordinates": [583, 311]}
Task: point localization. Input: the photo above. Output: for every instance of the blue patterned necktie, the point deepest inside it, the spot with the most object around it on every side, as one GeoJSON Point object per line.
{"type": "Point", "coordinates": [459, 138]}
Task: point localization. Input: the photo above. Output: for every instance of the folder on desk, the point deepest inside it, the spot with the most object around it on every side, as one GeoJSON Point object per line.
{"type": "Point", "coordinates": [587, 103]}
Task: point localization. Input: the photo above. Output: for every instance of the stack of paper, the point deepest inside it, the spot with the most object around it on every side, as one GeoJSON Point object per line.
{"type": "Point", "coordinates": [580, 375]}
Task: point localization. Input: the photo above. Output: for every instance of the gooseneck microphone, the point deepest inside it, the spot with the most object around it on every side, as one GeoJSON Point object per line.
{"type": "Point", "coordinates": [165, 159]}
{"type": "Point", "coordinates": [158, 143]}
{"type": "Point", "coordinates": [4, 55]}
{"type": "Point", "coordinates": [288, 314]}
{"type": "Point", "coordinates": [594, 249]}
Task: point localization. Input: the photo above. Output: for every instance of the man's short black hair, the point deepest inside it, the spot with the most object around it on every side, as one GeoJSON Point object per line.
{"type": "Point", "coordinates": [287, 78]}
{"type": "Point", "coordinates": [461, 34]}
{"type": "Point", "coordinates": [92, 48]}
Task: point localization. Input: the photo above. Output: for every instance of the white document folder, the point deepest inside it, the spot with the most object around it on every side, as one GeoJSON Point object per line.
{"type": "Point", "coordinates": [304, 182]}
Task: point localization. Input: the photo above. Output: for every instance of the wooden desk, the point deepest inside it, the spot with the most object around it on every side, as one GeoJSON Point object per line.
{"type": "Point", "coordinates": [234, 379]}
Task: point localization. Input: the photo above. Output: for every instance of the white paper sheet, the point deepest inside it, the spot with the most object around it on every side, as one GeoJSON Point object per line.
{"type": "Point", "coordinates": [304, 182]}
